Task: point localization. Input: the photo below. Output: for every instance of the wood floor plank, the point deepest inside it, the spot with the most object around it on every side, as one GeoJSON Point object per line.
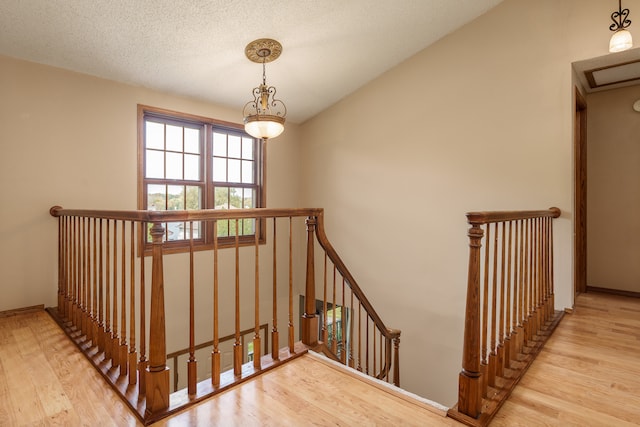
{"type": "Point", "coordinates": [588, 373]}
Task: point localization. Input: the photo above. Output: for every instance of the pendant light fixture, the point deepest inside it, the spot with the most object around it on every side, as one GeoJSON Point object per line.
{"type": "Point", "coordinates": [621, 38]}
{"type": "Point", "coordinates": [264, 115]}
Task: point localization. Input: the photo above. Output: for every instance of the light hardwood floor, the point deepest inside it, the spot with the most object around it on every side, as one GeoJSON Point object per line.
{"type": "Point", "coordinates": [587, 375]}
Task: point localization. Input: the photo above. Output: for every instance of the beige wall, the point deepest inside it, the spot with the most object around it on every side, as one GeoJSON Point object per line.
{"type": "Point", "coordinates": [613, 186]}
{"type": "Point", "coordinates": [69, 139]}
{"type": "Point", "coordinates": [481, 120]}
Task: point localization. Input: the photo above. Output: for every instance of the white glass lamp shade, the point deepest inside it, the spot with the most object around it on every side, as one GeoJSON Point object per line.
{"type": "Point", "coordinates": [620, 40]}
{"type": "Point", "coordinates": [264, 126]}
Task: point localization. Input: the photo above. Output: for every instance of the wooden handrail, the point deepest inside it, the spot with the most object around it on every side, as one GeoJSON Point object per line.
{"type": "Point", "coordinates": [344, 271]}
{"type": "Point", "coordinates": [488, 217]}
{"type": "Point", "coordinates": [190, 215]}
{"type": "Point", "coordinates": [510, 257]}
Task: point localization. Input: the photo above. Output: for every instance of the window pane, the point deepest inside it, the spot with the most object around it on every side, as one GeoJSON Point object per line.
{"type": "Point", "coordinates": [174, 165]}
{"type": "Point", "coordinates": [248, 227]}
{"type": "Point", "coordinates": [223, 228]}
{"type": "Point", "coordinates": [175, 200]}
{"type": "Point", "coordinates": [192, 167]}
{"type": "Point", "coordinates": [196, 230]}
{"type": "Point", "coordinates": [192, 140]}
{"type": "Point", "coordinates": [154, 134]}
{"type": "Point", "coordinates": [248, 198]}
{"type": "Point", "coordinates": [235, 146]}
{"type": "Point", "coordinates": [174, 138]}
{"type": "Point", "coordinates": [156, 197]}
{"type": "Point", "coordinates": [155, 164]}
{"type": "Point", "coordinates": [194, 197]}
{"type": "Point", "coordinates": [247, 172]}
{"type": "Point", "coordinates": [235, 198]}
{"type": "Point", "coordinates": [234, 170]}
{"type": "Point", "coordinates": [219, 144]}
{"type": "Point", "coordinates": [222, 198]}
{"type": "Point", "coordinates": [175, 230]}
{"type": "Point", "coordinates": [219, 169]}
{"type": "Point", "coordinates": [247, 148]}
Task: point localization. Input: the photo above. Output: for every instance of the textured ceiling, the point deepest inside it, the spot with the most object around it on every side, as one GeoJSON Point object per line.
{"type": "Point", "coordinates": [196, 48]}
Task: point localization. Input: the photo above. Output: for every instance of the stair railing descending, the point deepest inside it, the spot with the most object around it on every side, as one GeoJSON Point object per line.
{"type": "Point", "coordinates": [509, 309]}
{"type": "Point", "coordinates": [105, 290]}
{"type": "Point", "coordinates": [351, 331]}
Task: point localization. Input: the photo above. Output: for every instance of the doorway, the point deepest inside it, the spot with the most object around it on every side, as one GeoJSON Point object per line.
{"type": "Point", "coordinates": [580, 206]}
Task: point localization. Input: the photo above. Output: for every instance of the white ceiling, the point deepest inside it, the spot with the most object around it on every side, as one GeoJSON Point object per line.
{"type": "Point", "coordinates": [196, 48]}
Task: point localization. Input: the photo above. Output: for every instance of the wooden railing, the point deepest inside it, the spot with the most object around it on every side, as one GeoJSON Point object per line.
{"type": "Point", "coordinates": [510, 307]}
{"type": "Point", "coordinates": [175, 356]}
{"type": "Point", "coordinates": [111, 302]}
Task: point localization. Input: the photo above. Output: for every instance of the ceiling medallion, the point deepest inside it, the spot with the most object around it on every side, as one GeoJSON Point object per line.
{"type": "Point", "coordinates": [263, 50]}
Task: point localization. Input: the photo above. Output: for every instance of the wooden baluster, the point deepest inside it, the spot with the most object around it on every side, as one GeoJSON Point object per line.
{"type": "Point", "coordinates": [396, 358]}
{"type": "Point", "coordinates": [83, 281]}
{"type": "Point", "coordinates": [345, 318]}
{"type": "Point", "coordinates": [387, 358]}
{"type": "Point", "coordinates": [525, 313]}
{"type": "Point", "coordinates": [275, 346]}
{"type": "Point", "coordinates": [89, 293]}
{"type": "Point", "coordinates": [157, 381]}
{"type": "Point", "coordinates": [215, 353]}
{"type": "Point", "coordinates": [76, 273]}
{"type": "Point", "coordinates": [493, 356]}
{"type": "Point", "coordinates": [192, 363]}
{"type": "Point", "coordinates": [133, 356]}
{"type": "Point", "coordinates": [256, 332]}
{"type": "Point", "coordinates": [374, 354]}
{"type": "Point", "coordinates": [60, 264]}
{"type": "Point", "coordinates": [237, 346]}
{"type": "Point", "coordinates": [115, 341]}
{"type": "Point", "coordinates": [334, 326]}
{"type": "Point", "coordinates": [539, 279]}
{"type": "Point", "coordinates": [325, 332]}
{"type": "Point", "coordinates": [366, 354]}
{"type": "Point", "coordinates": [500, 359]}
{"type": "Point", "coordinates": [534, 276]}
{"type": "Point", "coordinates": [359, 336]}
{"type": "Point", "coordinates": [309, 319]}
{"type": "Point", "coordinates": [548, 246]}
{"type": "Point", "coordinates": [470, 379]}
{"type": "Point", "coordinates": [62, 304]}
{"type": "Point", "coordinates": [522, 288]}
{"type": "Point", "coordinates": [123, 348]}
{"type": "Point", "coordinates": [531, 296]}
{"type": "Point", "coordinates": [515, 336]}
{"type": "Point", "coordinates": [100, 289]}
{"type": "Point", "coordinates": [143, 363]}
{"type": "Point", "coordinates": [343, 324]}
{"type": "Point", "coordinates": [484, 364]}
{"type": "Point", "coordinates": [86, 245]}
{"type": "Point", "coordinates": [291, 328]}
{"type": "Point", "coordinates": [509, 303]}
{"type": "Point", "coordinates": [108, 354]}
{"type": "Point", "coordinates": [552, 302]}
{"type": "Point", "coordinates": [95, 332]}
{"type": "Point", "coordinates": [545, 268]}
{"type": "Point", "coordinates": [62, 256]}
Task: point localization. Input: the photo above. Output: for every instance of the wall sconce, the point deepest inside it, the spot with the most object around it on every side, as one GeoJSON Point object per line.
{"type": "Point", "coordinates": [264, 116]}
{"type": "Point", "coordinates": [621, 38]}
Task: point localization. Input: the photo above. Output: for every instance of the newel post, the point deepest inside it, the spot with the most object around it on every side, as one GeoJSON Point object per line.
{"type": "Point", "coordinates": [309, 319]}
{"type": "Point", "coordinates": [470, 388]}
{"type": "Point", "coordinates": [157, 373]}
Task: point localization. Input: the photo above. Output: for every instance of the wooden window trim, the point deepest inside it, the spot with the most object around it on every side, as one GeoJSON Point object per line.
{"type": "Point", "coordinates": [206, 241]}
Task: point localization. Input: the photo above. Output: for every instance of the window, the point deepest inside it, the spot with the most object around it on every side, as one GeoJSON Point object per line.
{"type": "Point", "coordinates": [190, 162]}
